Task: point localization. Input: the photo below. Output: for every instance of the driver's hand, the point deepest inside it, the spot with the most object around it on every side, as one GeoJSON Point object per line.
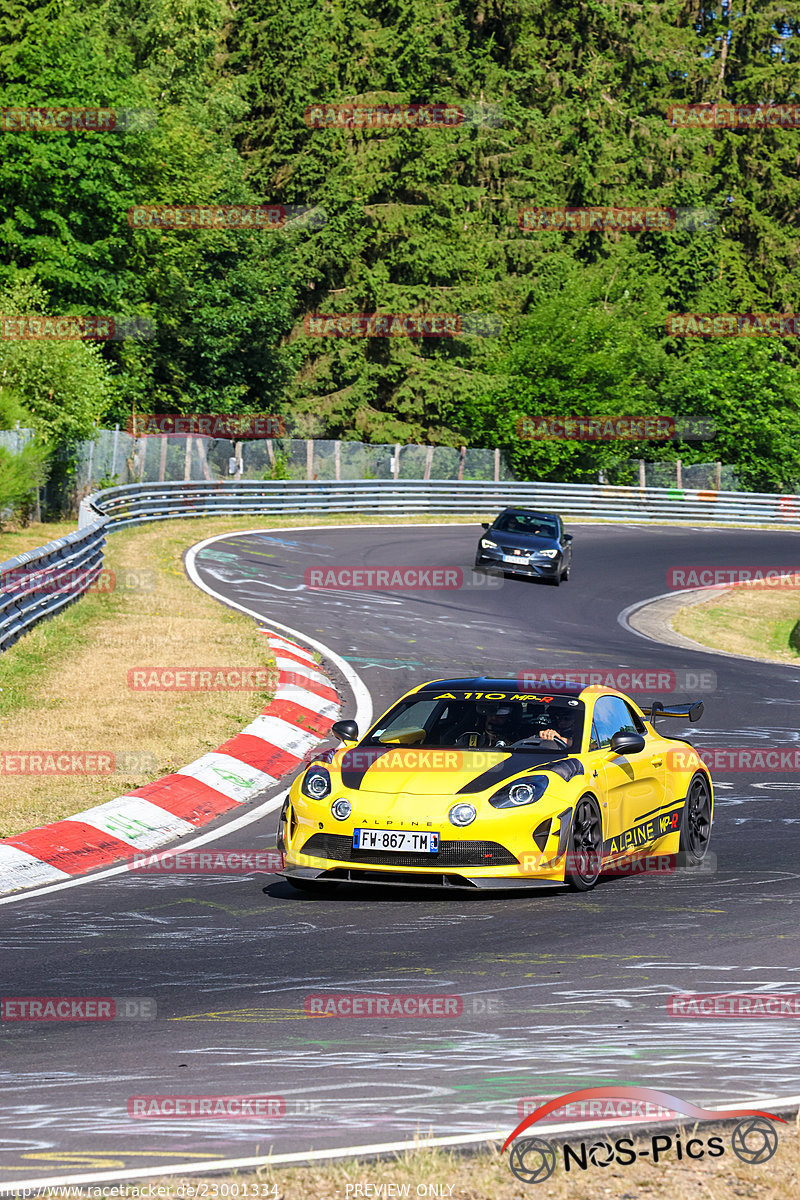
{"type": "Point", "coordinates": [547, 735]}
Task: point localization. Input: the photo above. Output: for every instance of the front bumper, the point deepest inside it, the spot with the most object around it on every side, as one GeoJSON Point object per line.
{"type": "Point", "coordinates": [472, 863]}
{"type": "Point", "coordinates": [449, 880]}
{"type": "Point", "coordinates": [544, 568]}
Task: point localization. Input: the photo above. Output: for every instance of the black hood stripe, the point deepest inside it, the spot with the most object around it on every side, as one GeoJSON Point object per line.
{"type": "Point", "coordinates": [504, 770]}
{"type": "Point", "coordinates": [358, 761]}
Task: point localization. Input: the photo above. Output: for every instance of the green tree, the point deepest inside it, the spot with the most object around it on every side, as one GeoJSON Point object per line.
{"type": "Point", "coordinates": [23, 471]}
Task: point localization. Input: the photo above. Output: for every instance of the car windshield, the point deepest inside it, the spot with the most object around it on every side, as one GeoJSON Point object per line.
{"type": "Point", "coordinates": [520, 722]}
{"type": "Point", "coordinates": [526, 523]}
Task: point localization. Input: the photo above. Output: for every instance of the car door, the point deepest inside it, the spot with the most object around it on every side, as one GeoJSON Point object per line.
{"type": "Point", "coordinates": [633, 784]}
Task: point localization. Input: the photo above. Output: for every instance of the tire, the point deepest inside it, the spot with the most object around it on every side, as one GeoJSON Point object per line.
{"type": "Point", "coordinates": [312, 886]}
{"type": "Point", "coordinates": [585, 848]}
{"type": "Point", "coordinates": [696, 819]}
{"type": "Point", "coordinates": [281, 839]}
{"type": "Point", "coordinates": [565, 575]}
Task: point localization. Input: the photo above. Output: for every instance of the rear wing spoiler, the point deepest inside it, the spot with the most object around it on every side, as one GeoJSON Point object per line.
{"type": "Point", "coordinates": [684, 712]}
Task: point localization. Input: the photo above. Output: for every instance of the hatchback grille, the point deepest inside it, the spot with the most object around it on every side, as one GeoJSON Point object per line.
{"type": "Point", "coordinates": [451, 854]}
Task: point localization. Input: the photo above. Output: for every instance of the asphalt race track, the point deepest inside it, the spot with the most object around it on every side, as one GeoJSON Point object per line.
{"type": "Point", "coordinates": [563, 990]}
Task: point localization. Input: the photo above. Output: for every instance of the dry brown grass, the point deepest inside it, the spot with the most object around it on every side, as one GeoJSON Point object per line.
{"type": "Point", "coordinates": [756, 620]}
{"type": "Point", "coordinates": [14, 539]}
{"type": "Point", "coordinates": [65, 684]}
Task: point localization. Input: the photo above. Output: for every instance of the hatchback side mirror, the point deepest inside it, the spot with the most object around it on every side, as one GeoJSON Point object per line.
{"type": "Point", "coordinates": [484, 524]}
{"type": "Point", "coordinates": [567, 537]}
{"type": "Point", "coordinates": [627, 743]}
{"type": "Point", "coordinates": [346, 731]}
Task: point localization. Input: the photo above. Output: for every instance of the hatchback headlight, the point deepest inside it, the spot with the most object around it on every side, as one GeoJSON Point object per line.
{"type": "Point", "coordinates": [316, 783]}
{"type": "Point", "coordinates": [520, 792]}
{"type": "Point", "coordinates": [488, 544]}
{"type": "Point", "coordinates": [546, 553]}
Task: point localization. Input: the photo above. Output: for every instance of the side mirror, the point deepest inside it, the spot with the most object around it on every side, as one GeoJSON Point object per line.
{"type": "Point", "coordinates": [484, 524]}
{"type": "Point", "coordinates": [627, 743]}
{"type": "Point", "coordinates": [346, 731]}
{"type": "Point", "coordinates": [567, 537]}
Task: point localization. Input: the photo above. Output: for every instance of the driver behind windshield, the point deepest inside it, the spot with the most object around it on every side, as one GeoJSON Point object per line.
{"type": "Point", "coordinates": [562, 724]}
{"type": "Point", "coordinates": [495, 725]}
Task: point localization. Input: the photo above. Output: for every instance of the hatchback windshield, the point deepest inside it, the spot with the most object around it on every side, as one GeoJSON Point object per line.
{"type": "Point", "coordinates": [470, 720]}
{"type": "Point", "coordinates": [526, 523]}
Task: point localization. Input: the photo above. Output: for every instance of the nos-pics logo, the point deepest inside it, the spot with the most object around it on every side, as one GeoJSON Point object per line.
{"type": "Point", "coordinates": [534, 1159]}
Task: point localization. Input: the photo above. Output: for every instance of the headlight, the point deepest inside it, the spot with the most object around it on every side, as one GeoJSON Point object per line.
{"type": "Point", "coordinates": [316, 783]}
{"type": "Point", "coordinates": [488, 544]}
{"type": "Point", "coordinates": [341, 809]}
{"type": "Point", "coordinates": [462, 814]}
{"type": "Point", "coordinates": [546, 553]}
{"type": "Point", "coordinates": [520, 792]}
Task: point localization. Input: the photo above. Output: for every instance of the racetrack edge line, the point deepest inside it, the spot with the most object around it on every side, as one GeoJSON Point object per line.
{"type": "Point", "coordinates": [379, 1150]}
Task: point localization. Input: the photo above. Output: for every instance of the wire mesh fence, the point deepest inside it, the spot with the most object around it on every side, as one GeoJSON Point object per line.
{"type": "Point", "coordinates": [115, 458]}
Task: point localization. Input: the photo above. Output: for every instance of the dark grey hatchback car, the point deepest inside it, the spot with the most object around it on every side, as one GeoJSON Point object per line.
{"type": "Point", "coordinates": [524, 542]}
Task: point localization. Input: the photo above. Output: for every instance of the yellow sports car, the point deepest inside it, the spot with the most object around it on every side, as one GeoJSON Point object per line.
{"type": "Point", "coordinates": [475, 783]}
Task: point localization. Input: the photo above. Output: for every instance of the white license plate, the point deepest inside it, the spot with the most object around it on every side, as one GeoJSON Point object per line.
{"type": "Point", "coordinates": [389, 839]}
{"type": "Point", "coordinates": [516, 558]}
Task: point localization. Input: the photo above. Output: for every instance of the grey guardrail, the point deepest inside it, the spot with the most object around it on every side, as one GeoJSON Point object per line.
{"type": "Point", "coordinates": [36, 584]}
{"type": "Point", "coordinates": [134, 503]}
{"type": "Point", "coordinates": [40, 582]}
